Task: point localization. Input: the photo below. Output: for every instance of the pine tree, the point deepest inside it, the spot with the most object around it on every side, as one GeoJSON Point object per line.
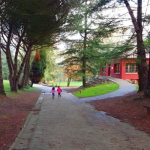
{"type": "Point", "coordinates": [38, 66]}
{"type": "Point", "coordinates": [86, 51]}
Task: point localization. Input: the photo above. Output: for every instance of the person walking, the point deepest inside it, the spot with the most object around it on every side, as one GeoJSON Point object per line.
{"type": "Point", "coordinates": [59, 90]}
{"type": "Point", "coordinates": [53, 92]}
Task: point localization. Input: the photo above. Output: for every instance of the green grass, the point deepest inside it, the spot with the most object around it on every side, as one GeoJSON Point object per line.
{"type": "Point", "coordinates": [13, 94]}
{"type": "Point", "coordinates": [97, 90]}
{"type": "Point", "coordinates": [137, 87]}
{"type": "Point", "coordinates": [76, 84]}
{"type": "Point", "coordinates": [6, 85]}
{"type": "Point", "coordinates": [31, 88]}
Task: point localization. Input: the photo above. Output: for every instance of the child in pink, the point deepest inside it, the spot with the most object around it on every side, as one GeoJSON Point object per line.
{"type": "Point", "coordinates": [59, 90]}
{"type": "Point", "coordinates": [53, 92]}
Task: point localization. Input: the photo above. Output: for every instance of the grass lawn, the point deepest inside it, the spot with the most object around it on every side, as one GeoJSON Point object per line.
{"type": "Point", "coordinates": [6, 85]}
{"type": "Point", "coordinates": [12, 94]}
{"type": "Point", "coordinates": [97, 90]}
{"type": "Point", "coordinates": [75, 84]}
{"type": "Point", "coordinates": [137, 87]}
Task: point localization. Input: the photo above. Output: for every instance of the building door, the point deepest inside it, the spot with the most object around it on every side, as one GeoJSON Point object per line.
{"type": "Point", "coordinates": [109, 69]}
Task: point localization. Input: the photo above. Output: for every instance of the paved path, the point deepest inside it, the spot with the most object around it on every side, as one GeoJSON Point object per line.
{"type": "Point", "coordinates": [69, 124]}
{"type": "Point", "coordinates": [124, 88]}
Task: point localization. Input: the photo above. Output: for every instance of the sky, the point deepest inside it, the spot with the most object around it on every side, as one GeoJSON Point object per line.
{"type": "Point", "coordinates": [120, 13]}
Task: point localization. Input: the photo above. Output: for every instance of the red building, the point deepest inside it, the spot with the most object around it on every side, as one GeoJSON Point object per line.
{"type": "Point", "coordinates": [125, 69]}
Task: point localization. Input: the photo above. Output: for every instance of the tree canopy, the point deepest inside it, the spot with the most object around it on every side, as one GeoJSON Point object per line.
{"type": "Point", "coordinates": [26, 25]}
{"type": "Point", "coordinates": [90, 51]}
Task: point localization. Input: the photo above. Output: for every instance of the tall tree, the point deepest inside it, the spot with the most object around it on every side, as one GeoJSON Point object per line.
{"type": "Point", "coordinates": [38, 67]}
{"type": "Point", "coordinates": [147, 48]}
{"type": "Point", "coordinates": [5, 71]}
{"type": "Point", "coordinates": [142, 66]}
{"type": "Point", "coordinates": [71, 70]}
{"type": "Point", "coordinates": [138, 28]}
{"type": "Point", "coordinates": [92, 29]}
{"type": "Point", "coordinates": [2, 92]}
{"type": "Point", "coordinates": [30, 23]}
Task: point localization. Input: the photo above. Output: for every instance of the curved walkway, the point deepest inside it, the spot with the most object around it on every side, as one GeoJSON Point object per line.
{"type": "Point", "coordinates": [124, 88]}
{"type": "Point", "coordinates": [65, 124]}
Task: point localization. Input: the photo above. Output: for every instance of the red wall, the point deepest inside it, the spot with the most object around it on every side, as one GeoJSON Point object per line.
{"type": "Point", "coordinates": [132, 76]}
{"type": "Point", "coordinates": [122, 74]}
{"type": "Point", "coordinates": [116, 75]}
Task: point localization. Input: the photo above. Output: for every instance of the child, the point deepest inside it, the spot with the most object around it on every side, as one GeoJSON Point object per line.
{"type": "Point", "coordinates": [59, 90]}
{"type": "Point", "coordinates": [53, 92]}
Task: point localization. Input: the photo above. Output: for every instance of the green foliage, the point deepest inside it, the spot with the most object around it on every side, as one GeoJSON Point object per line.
{"type": "Point", "coordinates": [37, 17]}
{"type": "Point", "coordinates": [118, 52]}
{"type": "Point", "coordinates": [73, 84]}
{"type": "Point", "coordinates": [38, 68]}
{"type": "Point", "coordinates": [88, 51]}
{"type": "Point", "coordinates": [147, 45]}
{"type": "Point", "coordinates": [51, 66]}
{"type": "Point", "coordinates": [137, 87]}
{"type": "Point", "coordinates": [97, 90]}
{"type": "Point", "coordinates": [29, 23]}
{"type": "Point", "coordinates": [95, 54]}
{"type": "Point", "coordinates": [6, 85]}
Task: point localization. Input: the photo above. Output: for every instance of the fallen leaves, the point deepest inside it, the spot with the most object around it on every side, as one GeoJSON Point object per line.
{"type": "Point", "coordinates": [128, 109]}
{"type": "Point", "coordinates": [13, 114]}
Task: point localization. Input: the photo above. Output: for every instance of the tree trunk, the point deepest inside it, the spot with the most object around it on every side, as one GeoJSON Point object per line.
{"type": "Point", "coordinates": [9, 58]}
{"type": "Point", "coordinates": [25, 78]}
{"type": "Point", "coordinates": [68, 82]}
{"type": "Point", "coordinates": [15, 77]}
{"type": "Point", "coordinates": [84, 73]}
{"type": "Point", "coordinates": [12, 77]}
{"type": "Point", "coordinates": [141, 51]}
{"type": "Point", "coordinates": [84, 53]}
{"type": "Point", "coordinates": [147, 89]}
{"type": "Point", "coordinates": [14, 74]}
{"type": "Point", "coordinates": [31, 84]}
{"type": "Point", "coordinates": [2, 92]}
{"type": "Point", "coordinates": [14, 86]}
{"type": "Point", "coordinates": [142, 66]}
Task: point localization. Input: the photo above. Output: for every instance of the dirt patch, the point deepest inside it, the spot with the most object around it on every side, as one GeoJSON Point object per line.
{"type": "Point", "coordinates": [13, 114]}
{"type": "Point", "coordinates": [127, 109]}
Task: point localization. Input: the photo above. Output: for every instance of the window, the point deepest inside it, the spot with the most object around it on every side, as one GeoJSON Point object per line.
{"type": "Point", "coordinates": [117, 68]}
{"type": "Point", "coordinates": [131, 68]}
{"type": "Point", "coordinates": [103, 70]}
